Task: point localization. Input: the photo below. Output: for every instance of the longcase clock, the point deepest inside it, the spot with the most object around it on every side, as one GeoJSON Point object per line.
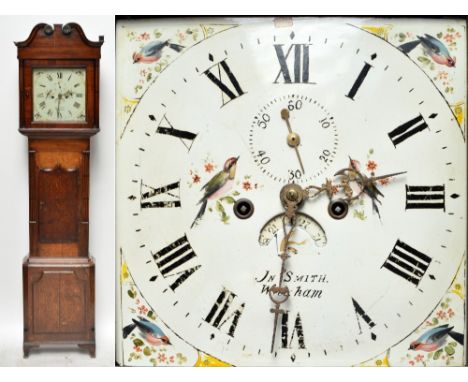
{"type": "Point", "coordinates": [59, 112]}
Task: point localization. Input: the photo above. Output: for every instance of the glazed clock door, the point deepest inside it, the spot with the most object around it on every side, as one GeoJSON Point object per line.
{"type": "Point", "coordinates": [59, 94]}
{"type": "Point", "coordinates": [357, 129]}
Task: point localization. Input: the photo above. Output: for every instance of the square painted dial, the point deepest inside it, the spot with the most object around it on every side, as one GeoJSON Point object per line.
{"type": "Point", "coordinates": [358, 265]}
{"type": "Point", "coordinates": [59, 95]}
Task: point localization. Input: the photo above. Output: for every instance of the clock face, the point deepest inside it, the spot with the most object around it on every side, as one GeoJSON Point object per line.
{"type": "Point", "coordinates": [220, 127]}
{"type": "Point", "coordinates": [59, 95]}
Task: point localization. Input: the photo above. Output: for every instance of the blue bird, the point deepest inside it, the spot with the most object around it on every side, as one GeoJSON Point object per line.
{"type": "Point", "coordinates": [433, 47]}
{"type": "Point", "coordinates": [152, 51]}
{"type": "Point", "coordinates": [435, 338]}
{"type": "Point", "coordinates": [150, 331]}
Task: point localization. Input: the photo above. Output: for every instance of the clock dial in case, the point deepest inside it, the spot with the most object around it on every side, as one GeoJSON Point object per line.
{"type": "Point", "coordinates": [59, 94]}
{"type": "Point", "coordinates": [358, 287]}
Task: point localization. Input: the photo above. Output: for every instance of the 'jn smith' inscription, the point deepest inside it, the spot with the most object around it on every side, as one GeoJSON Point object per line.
{"type": "Point", "coordinates": [268, 279]}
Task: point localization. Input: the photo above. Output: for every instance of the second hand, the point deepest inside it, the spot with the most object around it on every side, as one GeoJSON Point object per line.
{"type": "Point", "coordinates": [293, 138]}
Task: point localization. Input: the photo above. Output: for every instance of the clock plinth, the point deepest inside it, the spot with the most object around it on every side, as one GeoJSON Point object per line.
{"type": "Point", "coordinates": [59, 112]}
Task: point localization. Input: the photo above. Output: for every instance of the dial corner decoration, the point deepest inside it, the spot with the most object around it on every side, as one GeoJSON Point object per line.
{"type": "Point", "coordinates": [293, 195]}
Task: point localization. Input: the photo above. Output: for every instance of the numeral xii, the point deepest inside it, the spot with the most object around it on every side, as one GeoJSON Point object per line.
{"type": "Point", "coordinates": [301, 63]}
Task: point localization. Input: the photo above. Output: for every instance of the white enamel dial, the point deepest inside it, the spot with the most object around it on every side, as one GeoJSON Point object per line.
{"type": "Point", "coordinates": [59, 94]}
{"type": "Point", "coordinates": [359, 290]}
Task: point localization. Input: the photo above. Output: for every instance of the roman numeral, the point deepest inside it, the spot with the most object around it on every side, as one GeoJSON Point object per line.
{"type": "Point", "coordinates": [148, 192]}
{"type": "Point", "coordinates": [360, 79]}
{"type": "Point", "coordinates": [300, 63]}
{"type": "Point", "coordinates": [297, 331]}
{"type": "Point", "coordinates": [172, 259]}
{"type": "Point", "coordinates": [362, 315]}
{"type": "Point", "coordinates": [234, 90]}
{"type": "Point", "coordinates": [407, 262]}
{"type": "Point", "coordinates": [222, 312]}
{"type": "Point", "coordinates": [165, 127]}
{"type": "Point", "coordinates": [59, 75]}
{"type": "Point", "coordinates": [425, 197]}
{"type": "Point", "coordinates": [408, 129]}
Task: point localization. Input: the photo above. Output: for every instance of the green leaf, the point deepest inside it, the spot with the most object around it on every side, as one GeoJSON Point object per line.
{"type": "Point", "coordinates": [437, 354]}
{"type": "Point", "coordinates": [453, 344]}
{"type": "Point", "coordinates": [435, 321]}
{"type": "Point", "coordinates": [225, 219]}
{"type": "Point", "coordinates": [228, 199]}
{"type": "Point", "coordinates": [138, 342]}
{"type": "Point", "coordinates": [236, 193]}
{"type": "Point", "coordinates": [219, 207]}
{"type": "Point", "coordinates": [449, 350]}
{"type": "Point", "coordinates": [147, 351]}
{"type": "Point", "coordinates": [131, 293]}
{"type": "Point", "coordinates": [150, 314]}
{"type": "Point", "coordinates": [424, 60]}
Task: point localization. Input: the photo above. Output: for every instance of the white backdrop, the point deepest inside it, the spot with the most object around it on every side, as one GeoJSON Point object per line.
{"type": "Point", "coordinates": [14, 195]}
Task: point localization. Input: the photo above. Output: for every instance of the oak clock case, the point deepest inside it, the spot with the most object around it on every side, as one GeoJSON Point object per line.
{"type": "Point", "coordinates": [59, 112]}
{"type": "Point", "coordinates": [288, 117]}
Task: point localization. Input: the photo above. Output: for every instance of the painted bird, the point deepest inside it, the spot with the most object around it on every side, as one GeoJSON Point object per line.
{"type": "Point", "coordinates": [433, 47]}
{"type": "Point", "coordinates": [150, 331]}
{"type": "Point", "coordinates": [218, 185]}
{"type": "Point", "coordinates": [152, 51]}
{"type": "Point", "coordinates": [435, 338]}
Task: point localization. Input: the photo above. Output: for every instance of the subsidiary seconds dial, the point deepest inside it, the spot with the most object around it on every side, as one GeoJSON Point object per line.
{"type": "Point", "coordinates": [298, 149]}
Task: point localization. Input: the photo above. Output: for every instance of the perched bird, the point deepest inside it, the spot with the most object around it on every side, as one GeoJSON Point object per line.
{"type": "Point", "coordinates": [150, 332]}
{"type": "Point", "coordinates": [435, 338]}
{"type": "Point", "coordinates": [218, 185]}
{"type": "Point", "coordinates": [152, 51]}
{"type": "Point", "coordinates": [433, 47]}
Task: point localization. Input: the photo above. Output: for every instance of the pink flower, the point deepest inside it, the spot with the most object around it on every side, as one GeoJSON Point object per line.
{"type": "Point", "coordinates": [196, 179]}
{"type": "Point", "coordinates": [142, 309]}
{"type": "Point", "coordinates": [384, 181]}
{"type": "Point", "coordinates": [450, 312]}
{"type": "Point", "coordinates": [171, 359]}
{"type": "Point", "coordinates": [371, 165]}
{"type": "Point", "coordinates": [448, 37]}
{"type": "Point", "coordinates": [441, 314]}
{"type": "Point", "coordinates": [442, 75]}
{"type": "Point", "coordinates": [411, 363]}
{"type": "Point", "coordinates": [162, 357]}
{"type": "Point", "coordinates": [144, 36]}
{"type": "Point", "coordinates": [246, 185]}
{"type": "Point", "coordinates": [209, 167]}
{"type": "Point", "coordinates": [419, 358]}
{"type": "Point", "coordinates": [137, 349]}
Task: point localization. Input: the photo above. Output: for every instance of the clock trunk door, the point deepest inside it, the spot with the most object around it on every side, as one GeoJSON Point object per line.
{"type": "Point", "coordinates": [59, 202]}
